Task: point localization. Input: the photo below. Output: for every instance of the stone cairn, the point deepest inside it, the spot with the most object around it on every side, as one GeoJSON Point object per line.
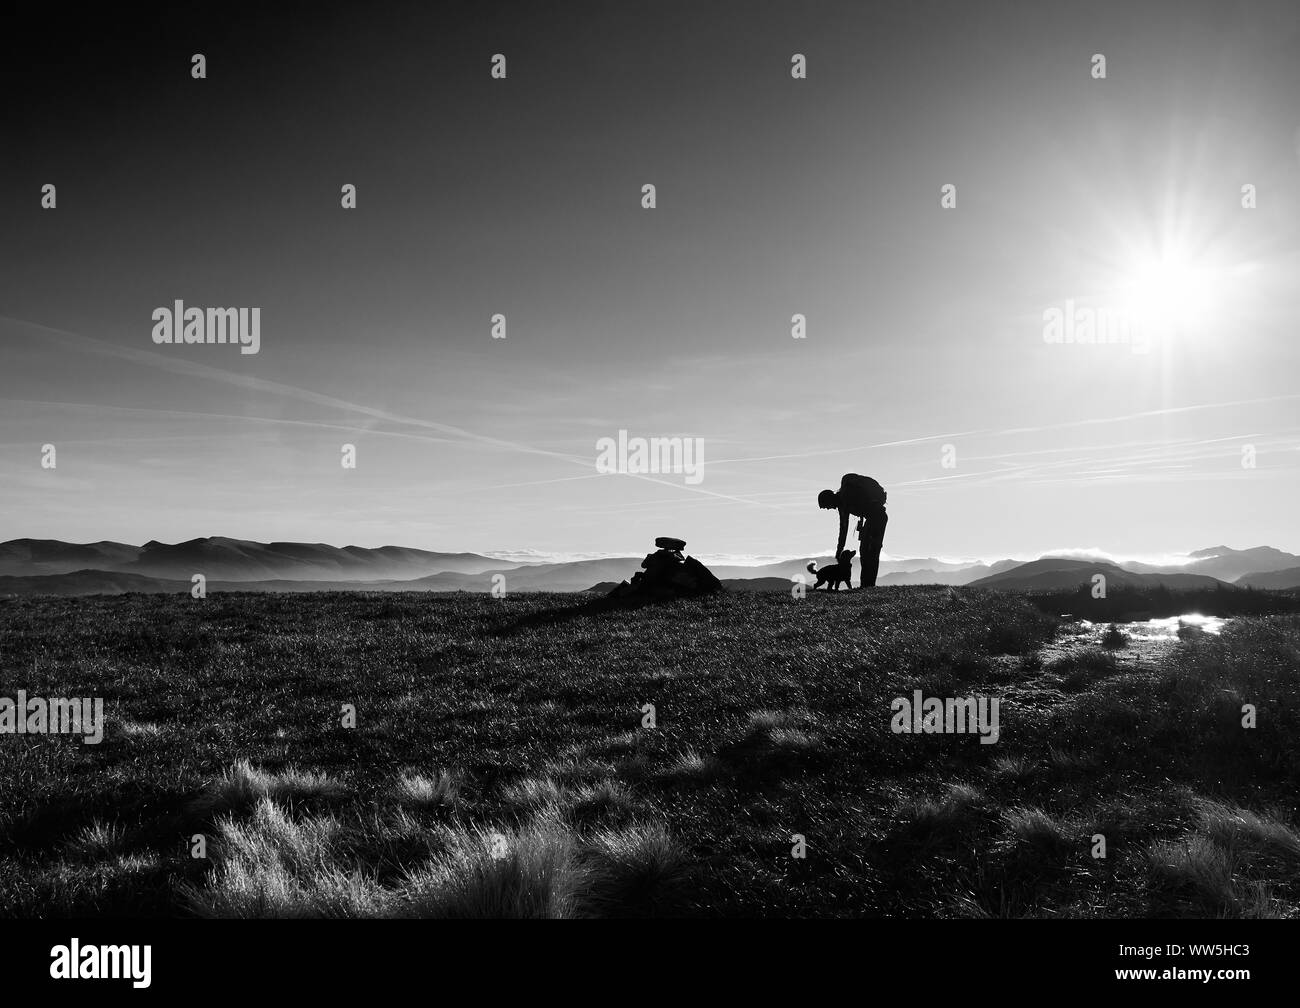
{"type": "Point", "coordinates": [666, 574]}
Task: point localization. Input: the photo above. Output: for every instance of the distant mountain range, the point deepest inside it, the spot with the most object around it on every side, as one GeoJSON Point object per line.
{"type": "Point", "coordinates": [1055, 573]}
{"type": "Point", "coordinates": [949, 575]}
{"type": "Point", "coordinates": [52, 567]}
{"type": "Point", "coordinates": [217, 557]}
{"type": "Point", "coordinates": [1226, 564]}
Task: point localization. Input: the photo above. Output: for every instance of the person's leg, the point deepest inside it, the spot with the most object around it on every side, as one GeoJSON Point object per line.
{"type": "Point", "coordinates": [861, 530]}
{"type": "Point", "coordinates": [873, 541]}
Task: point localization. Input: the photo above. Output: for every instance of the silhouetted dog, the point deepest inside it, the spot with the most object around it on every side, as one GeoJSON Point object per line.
{"type": "Point", "coordinates": [833, 574]}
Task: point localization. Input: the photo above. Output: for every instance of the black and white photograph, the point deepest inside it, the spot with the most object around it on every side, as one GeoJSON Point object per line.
{"type": "Point", "coordinates": [732, 460]}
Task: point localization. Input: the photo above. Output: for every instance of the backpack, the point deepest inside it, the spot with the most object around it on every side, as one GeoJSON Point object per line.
{"type": "Point", "coordinates": [873, 490]}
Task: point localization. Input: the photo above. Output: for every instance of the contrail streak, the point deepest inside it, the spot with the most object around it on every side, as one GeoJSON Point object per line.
{"type": "Point", "coordinates": [194, 369]}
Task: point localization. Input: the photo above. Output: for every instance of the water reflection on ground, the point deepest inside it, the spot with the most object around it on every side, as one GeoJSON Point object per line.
{"type": "Point", "coordinates": [1164, 629]}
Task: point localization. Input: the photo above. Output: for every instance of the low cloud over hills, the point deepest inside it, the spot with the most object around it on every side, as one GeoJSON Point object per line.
{"type": "Point", "coordinates": [51, 567]}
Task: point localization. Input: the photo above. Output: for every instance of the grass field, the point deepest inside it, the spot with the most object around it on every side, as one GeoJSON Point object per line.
{"type": "Point", "coordinates": [499, 764]}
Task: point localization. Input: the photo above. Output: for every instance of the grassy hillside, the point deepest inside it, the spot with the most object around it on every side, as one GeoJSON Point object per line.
{"type": "Point", "coordinates": [499, 764]}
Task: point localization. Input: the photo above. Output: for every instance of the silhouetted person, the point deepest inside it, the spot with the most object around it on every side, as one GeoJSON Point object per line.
{"type": "Point", "coordinates": [865, 498]}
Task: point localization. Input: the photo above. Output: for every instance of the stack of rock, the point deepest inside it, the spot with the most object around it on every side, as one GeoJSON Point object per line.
{"type": "Point", "coordinates": [666, 574]}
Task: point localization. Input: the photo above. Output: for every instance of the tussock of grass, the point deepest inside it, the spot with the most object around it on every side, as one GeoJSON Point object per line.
{"type": "Point", "coordinates": [273, 866]}
{"type": "Point", "coordinates": [761, 722]}
{"type": "Point", "coordinates": [133, 730]}
{"type": "Point", "coordinates": [1032, 827]}
{"type": "Point", "coordinates": [603, 799]}
{"type": "Point", "coordinates": [691, 766]}
{"type": "Point", "coordinates": [1249, 834]}
{"type": "Point", "coordinates": [946, 815]}
{"type": "Point", "coordinates": [770, 729]}
{"type": "Point", "coordinates": [1114, 638]}
{"type": "Point", "coordinates": [244, 785]}
{"type": "Point", "coordinates": [535, 873]}
{"type": "Point", "coordinates": [440, 789]}
{"type": "Point", "coordinates": [97, 841]}
{"type": "Point", "coordinates": [1031, 664]}
{"type": "Point", "coordinates": [773, 744]}
{"type": "Point", "coordinates": [1080, 669]}
{"type": "Point", "coordinates": [1017, 632]}
{"type": "Point", "coordinates": [791, 739]}
{"type": "Point", "coordinates": [638, 871]}
{"type": "Point", "coordinates": [1087, 659]}
{"type": "Point", "coordinates": [534, 793]}
{"type": "Point", "coordinates": [1067, 762]}
{"type": "Point", "coordinates": [1014, 769]}
{"type": "Point", "coordinates": [1213, 870]}
{"type": "Point", "coordinates": [548, 871]}
{"type": "Point", "coordinates": [1193, 875]}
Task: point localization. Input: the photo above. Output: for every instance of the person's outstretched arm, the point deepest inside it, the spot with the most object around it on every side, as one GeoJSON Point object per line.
{"type": "Point", "coordinates": [844, 531]}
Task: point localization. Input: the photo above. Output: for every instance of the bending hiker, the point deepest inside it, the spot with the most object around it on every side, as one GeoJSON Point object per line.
{"type": "Point", "coordinates": [864, 498]}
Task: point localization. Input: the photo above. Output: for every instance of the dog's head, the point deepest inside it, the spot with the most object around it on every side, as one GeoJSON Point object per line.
{"type": "Point", "coordinates": [848, 555]}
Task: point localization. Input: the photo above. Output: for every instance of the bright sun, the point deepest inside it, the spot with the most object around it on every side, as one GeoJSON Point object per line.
{"type": "Point", "coordinates": [1173, 292]}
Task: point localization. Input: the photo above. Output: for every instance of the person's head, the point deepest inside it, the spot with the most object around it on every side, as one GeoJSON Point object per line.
{"type": "Point", "coordinates": [827, 499]}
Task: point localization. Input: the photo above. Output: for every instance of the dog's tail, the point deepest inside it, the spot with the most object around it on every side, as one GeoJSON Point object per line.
{"type": "Point", "coordinates": [812, 568]}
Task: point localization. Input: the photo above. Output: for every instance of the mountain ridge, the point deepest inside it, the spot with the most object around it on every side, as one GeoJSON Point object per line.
{"type": "Point", "coordinates": [51, 566]}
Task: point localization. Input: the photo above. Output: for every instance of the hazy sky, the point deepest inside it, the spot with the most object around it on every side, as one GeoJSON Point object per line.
{"type": "Point", "coordinates": [775, 196]}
